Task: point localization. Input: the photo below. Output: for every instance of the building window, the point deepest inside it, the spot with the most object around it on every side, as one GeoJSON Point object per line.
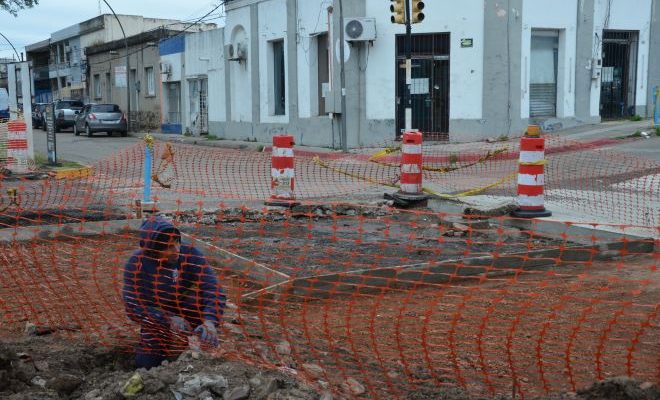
{"type": "Point", "coordinates": [279, 78]}
{"type": "Point", "coordinates": [97, 86]}
{"type": "Point", "coordinates": [151, 82]}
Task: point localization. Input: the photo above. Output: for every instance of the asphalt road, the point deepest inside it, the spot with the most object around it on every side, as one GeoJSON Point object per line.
{"type": "Point", "coordinates": [83, 149]}
{"type": "Point", "coordinates": [90, 150]}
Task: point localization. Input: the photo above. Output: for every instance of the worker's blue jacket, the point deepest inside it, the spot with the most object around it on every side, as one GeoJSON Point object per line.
{"type": "Point", "coordinates": [155, 291]}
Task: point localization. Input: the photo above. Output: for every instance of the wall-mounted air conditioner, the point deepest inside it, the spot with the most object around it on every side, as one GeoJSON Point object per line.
{"type": "Point", "coordinates": [165, 68]}
{"type": "Point", "coordinates": [360, 29]}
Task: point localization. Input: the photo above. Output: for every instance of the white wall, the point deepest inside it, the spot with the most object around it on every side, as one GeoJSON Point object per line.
{"type": "Point", "coordinates": [240, 73]}
{"type": "Point", "coordinates": [634, 15]}
{"type": "Point", "coordinates": [312, 19]}
{"type": "Point", "coordinates": [272, 26]}
{"type": "Point", "coordinates": [204, 57]}
{"type": "Point", "coordinates": [464, 19]}
{"type": "Point", "coordinates": [557, 15]}
{"type": "Point", "coordinates": [176, 65]}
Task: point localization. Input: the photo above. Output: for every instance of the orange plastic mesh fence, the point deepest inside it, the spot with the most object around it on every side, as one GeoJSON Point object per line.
{"type": "Point", "coordinates": [586, 180]}
{"type": "Point", "coordinates": [399, 301]}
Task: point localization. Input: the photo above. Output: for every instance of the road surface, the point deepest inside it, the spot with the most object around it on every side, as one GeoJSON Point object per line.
{"type": "Point", "coordinates": [83, 149]}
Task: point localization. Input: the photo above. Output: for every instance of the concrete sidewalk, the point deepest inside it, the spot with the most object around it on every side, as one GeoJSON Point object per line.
{"type": "Point", "coordinates": [599, 134]}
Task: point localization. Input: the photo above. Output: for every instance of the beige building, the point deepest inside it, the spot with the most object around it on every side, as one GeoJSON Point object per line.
{"type": "Point", "coordinates": [109, 82]}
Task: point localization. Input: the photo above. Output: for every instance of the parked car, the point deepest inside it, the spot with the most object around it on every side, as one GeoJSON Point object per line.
{"type": "Point", "coordinates": [39, 115]}
{"type": "Point", "coordinates": [65, 113]}
{"type": "Point", "coordinates": [95, 118]}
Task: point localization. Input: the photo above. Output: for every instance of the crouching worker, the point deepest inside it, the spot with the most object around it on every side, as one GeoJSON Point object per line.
{"type": "Point", "coordinates": [172, 292]}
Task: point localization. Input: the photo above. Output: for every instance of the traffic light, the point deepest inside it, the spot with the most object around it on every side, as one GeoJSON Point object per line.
{"type": "Point", "coordinates": [398, 9]}
{"type": "Point", "coordinates": [417, 14]}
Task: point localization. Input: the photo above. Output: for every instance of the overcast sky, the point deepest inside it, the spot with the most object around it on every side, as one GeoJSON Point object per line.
{"type": "Point", "coordinates": [33, 25]}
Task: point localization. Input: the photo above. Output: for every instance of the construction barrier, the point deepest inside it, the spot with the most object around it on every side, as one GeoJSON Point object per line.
{"type": "Point", "coordinates": [356, 301]}
{"type": "Point", "coordinates": [353, 297]}
{"type": "Point", "coordinates": [412, 163]}
{"type": "Point", "coordinates": [17, 147]}
{"type": "Point", "coordinates": [283, 173]}
{"type": "Point", "coordinates": [531, 176]}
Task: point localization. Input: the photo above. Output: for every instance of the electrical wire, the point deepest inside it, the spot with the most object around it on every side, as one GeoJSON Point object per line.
{"type": "Point", "coordinates": [204, 18]}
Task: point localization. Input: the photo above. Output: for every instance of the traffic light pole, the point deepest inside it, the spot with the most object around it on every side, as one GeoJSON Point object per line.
{"type": "Point", "coordinates": [408, 126]}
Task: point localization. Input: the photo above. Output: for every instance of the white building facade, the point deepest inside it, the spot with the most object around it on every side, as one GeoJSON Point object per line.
{"type": "Point", "coordinates": [481, 68]}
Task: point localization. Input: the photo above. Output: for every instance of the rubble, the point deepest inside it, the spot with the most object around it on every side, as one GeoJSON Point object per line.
{"type": "Point", "coordinates": [76, 372]}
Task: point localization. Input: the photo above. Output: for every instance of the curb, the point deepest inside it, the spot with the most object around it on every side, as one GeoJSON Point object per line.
{"type": "Point", "coordinates": [335, 155]}
{"type": "Point", "coordinates": [82, 229]}
{"type": "Point", "coordinates": [71, 173]}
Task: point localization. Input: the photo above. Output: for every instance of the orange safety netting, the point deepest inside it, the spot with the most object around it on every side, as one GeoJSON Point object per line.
{"type": "Point", "coordinates": [339, 289]}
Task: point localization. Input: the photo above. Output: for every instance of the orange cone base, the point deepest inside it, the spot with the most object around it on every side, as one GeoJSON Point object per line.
{"type": "Point", "coordinates": [408, 200]}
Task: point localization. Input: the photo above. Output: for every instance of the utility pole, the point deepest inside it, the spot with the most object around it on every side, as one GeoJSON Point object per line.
{"type": "Point", "coordinates": [128, 70]}
{"type": "Point", "coordinates": [408, 126]}
{"type": "Point", "coordinates": [403, 13]}
{"type": "Point", "coordinates": [342, 77]}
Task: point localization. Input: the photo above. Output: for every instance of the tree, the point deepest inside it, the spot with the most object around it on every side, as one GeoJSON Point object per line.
{"type": "Point", "coordinates": [13, 6]}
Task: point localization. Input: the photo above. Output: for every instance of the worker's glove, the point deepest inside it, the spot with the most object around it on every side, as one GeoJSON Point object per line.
{"type": "Point", "coordinates": [179, 324]}
{"type": "Point", "coordinates": [208, 333]}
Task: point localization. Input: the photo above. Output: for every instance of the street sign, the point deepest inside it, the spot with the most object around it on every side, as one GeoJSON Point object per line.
{"type": "Point", "coordinates": [466, 43]}
{"type": "Point", "coordinates": [51, 138]}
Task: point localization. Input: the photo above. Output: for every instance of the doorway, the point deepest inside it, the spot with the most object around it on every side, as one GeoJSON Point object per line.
{"type": "Point", "coordinates": [199, 115]}
{"type": "Point", "coordinates": [429, 86]}
{"type": "Point", "coordinates": [619, 76]}
{"type": "Point", "coordinates": [544, 62]}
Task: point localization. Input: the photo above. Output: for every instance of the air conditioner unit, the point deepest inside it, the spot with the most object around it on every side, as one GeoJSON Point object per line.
{"type": "Point", "coordinates": [165, 68]}
{"type": "Point", "coordinates": [229, 50]}
{"type": "Point", "coordinates": [360, 29]}
{"type": "Point", "coordinates": [236, 52]}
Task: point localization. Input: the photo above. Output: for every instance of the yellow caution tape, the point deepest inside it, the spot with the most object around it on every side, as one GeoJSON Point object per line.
{"type": "Point", "coordinates": [443, 170]}
{"type": "Point", "coordinates": [471, 192]}
{"type": "Point", "coordinates": [318, 161]}
{"type": "Point", "coordinates": [543, 162]}
{"type": "Point", "coordinates": [386, 152]}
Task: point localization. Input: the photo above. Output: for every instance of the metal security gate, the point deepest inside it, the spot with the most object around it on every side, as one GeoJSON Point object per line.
{"type": "Point", "coordinates": [543, 74]}
{"type": "Point", "coordinates": [619, 76]}
{"type": "Point", "coordinates": [199, 114]}
{"type": "Point", "coordinates": [430, 85]}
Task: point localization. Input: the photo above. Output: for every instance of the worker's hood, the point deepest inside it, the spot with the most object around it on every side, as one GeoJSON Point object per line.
{"type": "Point", "coordinates": [155, 233]}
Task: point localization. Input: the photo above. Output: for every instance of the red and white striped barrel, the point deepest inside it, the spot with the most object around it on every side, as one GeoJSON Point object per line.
{"type": "Point", "coordinates": [531, 176]}
{"type": "Point", "coordinates": [283, 174]}
{"type": "Point", "coordinates": [17, 147]}
{"type": "Point", "coordinates": [411, 163]}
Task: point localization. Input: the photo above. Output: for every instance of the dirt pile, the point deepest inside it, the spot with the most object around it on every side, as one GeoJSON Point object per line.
{"type": "Point", "coordinates": [43, 369]}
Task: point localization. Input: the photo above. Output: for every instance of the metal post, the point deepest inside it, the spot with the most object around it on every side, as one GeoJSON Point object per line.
{"type": "Point", "coordinates": [408, 68]}
{"type": "Point", "coordinates": [656, 106]}
{"type": "Point", "coordinates": [342, 74]}
{"type": "Point", "coordinates": [128, 70]}
{"type": "Point", "coordinates": [148, 170]}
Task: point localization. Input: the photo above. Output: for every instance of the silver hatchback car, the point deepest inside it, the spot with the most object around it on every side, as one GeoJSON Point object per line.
{"type": "Point", "coordinates": [100, 118]}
